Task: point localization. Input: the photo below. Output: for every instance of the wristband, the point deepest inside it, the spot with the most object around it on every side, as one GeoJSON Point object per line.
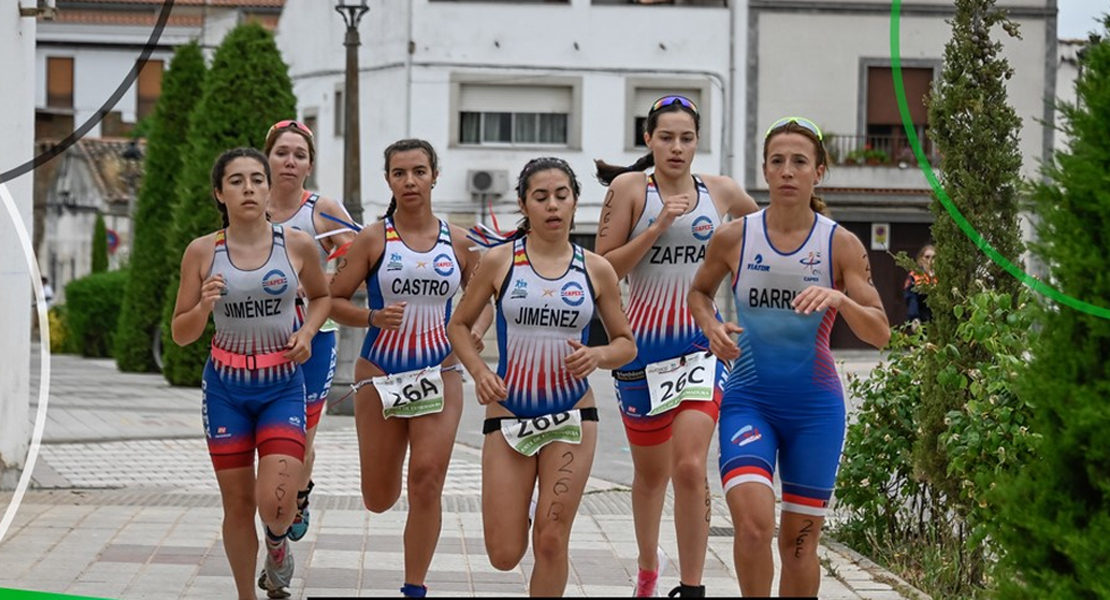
{"type": "Point", "coordinates": [370, 318]}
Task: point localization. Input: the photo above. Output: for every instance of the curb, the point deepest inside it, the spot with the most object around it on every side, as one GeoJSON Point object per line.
{"type": "Point", "coordinates": [877, 572]}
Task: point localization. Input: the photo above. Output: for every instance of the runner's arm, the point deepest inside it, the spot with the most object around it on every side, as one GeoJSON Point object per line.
{"type": "Point", "coordinates": [615, 225]}
{"type": "Point", "coordinates": [351, 272]}
{"type": "Point", "coordinates": [475, 300]}
{"type": "Point", "coordinates": [196, 294]}
{"type": "Point", "coordinates": [312, 279]}
{"type": "Point", "coordinates": [862, 308]}
{"type": "Point", "coordinates": [621, 348]}
{"type": "Point", "coordinates": [721, 257]}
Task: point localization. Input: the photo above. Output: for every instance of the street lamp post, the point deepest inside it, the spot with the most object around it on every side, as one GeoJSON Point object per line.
{"type": "Point", "coordinates": [350, 338]}
{"type": "Point", "coordinates": [352, 12]}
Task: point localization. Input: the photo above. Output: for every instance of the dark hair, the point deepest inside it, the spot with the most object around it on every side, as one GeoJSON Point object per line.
{"type": "Point", "coordinates": [606, 172]}
{"type": "Point", "coordinates": [534, 166]}
{"type": "Point", "coordinates": [274, 134]}
{"type": "Point", "coordinates": [815, 202]}
{"type": "Point", "coordinates": [220, 167]}
{"type": "Point", "coordinates": [404, 146]}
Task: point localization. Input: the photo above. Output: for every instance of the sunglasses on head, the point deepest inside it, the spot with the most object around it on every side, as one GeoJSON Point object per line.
{"type": "Point", "coordinates": [666, 101]}
{"type": "Point", "coordinates": [287, 124]}
{"type": "Point", "coordinates": [802, 122]}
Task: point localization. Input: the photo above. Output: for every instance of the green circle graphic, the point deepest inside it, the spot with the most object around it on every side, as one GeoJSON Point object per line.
{"type": "Point", "coordinates": [903, 108]}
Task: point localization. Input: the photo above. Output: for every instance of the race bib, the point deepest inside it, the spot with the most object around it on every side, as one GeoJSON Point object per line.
{"type": "Point", "coordinates": [671, 382]}
{"type": "Point", "coordinates": [411, 394]}
{"type": "Point", "coordinates": [527, 436]}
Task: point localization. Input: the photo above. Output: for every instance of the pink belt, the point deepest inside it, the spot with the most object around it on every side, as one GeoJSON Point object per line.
{"type": "Point", "coordinates": [252, 362]}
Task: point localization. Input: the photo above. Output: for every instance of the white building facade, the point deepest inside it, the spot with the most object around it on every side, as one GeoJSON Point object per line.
{"type": "Point", "coordinates": [831, 62]}
{"type": "Point", "coordinates": [17, 104]}
{"type": "Point", "coordinates": [85, 56]}
{"type": "Point", "coordinates": [87, 59]}
{"type": "Point", "coordinates": [494, 84]}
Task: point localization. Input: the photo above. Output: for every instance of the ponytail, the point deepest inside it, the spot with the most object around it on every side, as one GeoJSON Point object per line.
{"type": "Point", "coordinates": [606, 172]}
{"type": "Point", "coordinates": [817, 203]}
{"type": "Point", "coordinates": [389, 211]}
{"type": "Point", "coordinates": [220, 206]}
{"type": "Point", "coordinates": [487, 237]}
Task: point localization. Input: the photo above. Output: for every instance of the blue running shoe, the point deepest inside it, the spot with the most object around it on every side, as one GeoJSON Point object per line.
{"type": "Point", "coordinates": [300, 522]}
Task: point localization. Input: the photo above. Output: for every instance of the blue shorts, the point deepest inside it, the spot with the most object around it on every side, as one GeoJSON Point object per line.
{"type": "Point", "coordinates": [318, 373]}
{"type": "Point", "coordinates": [805, 438]}
{"type": "Point", "coordinates": [240, 418]}
{"type": "Point", "coordinates": [634, 401]}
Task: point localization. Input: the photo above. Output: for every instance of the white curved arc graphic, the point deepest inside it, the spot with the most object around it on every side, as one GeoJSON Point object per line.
{"type": "Point", "coordinates": [44, 383]}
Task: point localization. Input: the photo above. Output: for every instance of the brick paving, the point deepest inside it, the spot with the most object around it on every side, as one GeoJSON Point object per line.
{"type": "Point", "coordinates": [125, 506]}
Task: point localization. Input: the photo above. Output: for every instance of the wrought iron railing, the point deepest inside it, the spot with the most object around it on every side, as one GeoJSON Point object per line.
{"type": "Point", "coordinates": [875, 150]}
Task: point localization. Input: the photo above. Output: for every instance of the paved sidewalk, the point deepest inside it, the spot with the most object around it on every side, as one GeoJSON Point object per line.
{"type": "Point", "coordinates": [125, 506]}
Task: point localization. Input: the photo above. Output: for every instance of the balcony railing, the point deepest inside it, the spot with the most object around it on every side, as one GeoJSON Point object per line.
{"type": "Point", "coordinates": [875, 150]}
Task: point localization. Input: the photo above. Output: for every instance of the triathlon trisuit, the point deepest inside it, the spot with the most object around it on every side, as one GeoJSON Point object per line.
{"type": "Point", "coordinates": [253, 397]}
{"type": "Point", "coordinates": [783, 398]}
{"type": "Point", "coordinates": [426, 281]}
{"type": "Point", "coordinates": [536, 318]}
{"type": "Point", "coordinates": [320, 368]}
{"type": "Point", "coordinates": [659, 313]}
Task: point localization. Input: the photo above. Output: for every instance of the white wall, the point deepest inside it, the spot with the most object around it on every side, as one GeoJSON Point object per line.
{"type": "Point", "coordinates": [828, 90]}
{"type": "Point", "coordinates": [1067, 71]}
{"type": "Point", "coordinates": [409, 95]}
{"type": "Point", "coordinates": [17, 104]}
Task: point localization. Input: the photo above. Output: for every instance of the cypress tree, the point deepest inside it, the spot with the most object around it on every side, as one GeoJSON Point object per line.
{"type": "Point", "coordinates": [976, 131]}
{"type": "Point", "coordinates": [151, 262]}
{"type": "Point", "coordinates": [99, 245]}
{"type": "Point", "coordinates": [1056, 512]}
{"type": "Point", "coordinates": [247, 90]}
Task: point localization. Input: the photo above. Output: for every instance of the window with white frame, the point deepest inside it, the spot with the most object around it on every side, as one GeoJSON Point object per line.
{"type": "Point", "coordinates": [515, 115]}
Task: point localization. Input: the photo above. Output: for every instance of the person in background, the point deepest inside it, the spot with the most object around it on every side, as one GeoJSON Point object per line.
{"type": "Point", "coordinates": [914, 290]}
{"type": "Point", "coordinates": [292, 153]}
{"type": "Point", "coordinates": [47, 292]}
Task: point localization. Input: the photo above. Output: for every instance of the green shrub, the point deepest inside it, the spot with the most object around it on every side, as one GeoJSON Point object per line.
{"type": "Point", "coordinates": [99, 245]}
{"type": "Point", "coordinates": [876, 481]}
{"type": "Point", "coordinates": [151, 260]}
{"type": "Point", "coordinates": [937, 541]}
{"type": "Point", "coordinates": [60, 339]}
{"type": "Point", "coordinates": [1055, 523]}
{"type": "Point", "coordinates": [92, 307]}
{"type": "Point", "coordinates": [976, 132]}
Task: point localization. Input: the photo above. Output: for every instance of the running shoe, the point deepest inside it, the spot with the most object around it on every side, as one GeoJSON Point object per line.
{"type": "Point", "coordinates": [300, 522]}
{"type": "Point", "coordinates": [647, 582]}
{"type": "Point", "coordinates": [278, 572]}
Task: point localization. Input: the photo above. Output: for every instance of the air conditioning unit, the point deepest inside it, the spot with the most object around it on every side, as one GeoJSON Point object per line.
{"type": "Point", "coordinates": [487, 181]}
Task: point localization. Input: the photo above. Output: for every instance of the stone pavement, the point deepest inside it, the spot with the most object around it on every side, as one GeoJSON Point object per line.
{"type": "Point", "coordinates": [124, 505]}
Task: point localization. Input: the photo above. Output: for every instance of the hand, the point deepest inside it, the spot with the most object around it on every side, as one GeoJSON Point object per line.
{"type": "Point", "coordinates": [816, 298]}
{"type": "Point", "coordinates": [673, 207]}
{"type": "Point", "coordinates": [582, 361]}
{"type": "Point", "coordinates": [721, 343]}
{"type": "Point", "coordinates": [389, 317]}
{"type": "Point", "coordinates": [211, 290]}
{"type": "Point", "coordinates": [299, 347]}
{"type": "Point", "coordinates": [490, 387]}
{"type": "Point", "coordinates": [476, 339]}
